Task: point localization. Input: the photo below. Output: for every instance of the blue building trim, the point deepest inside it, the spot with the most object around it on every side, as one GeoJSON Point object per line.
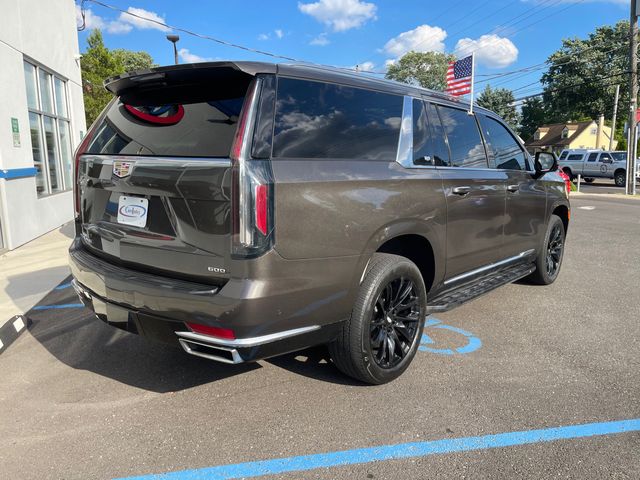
{"type": "Point", "coordinates": [18, 173]}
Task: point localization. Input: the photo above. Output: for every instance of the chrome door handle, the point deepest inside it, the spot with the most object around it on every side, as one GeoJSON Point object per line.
{"type": "Point", "coordinates": [513, 188]}
{"type": "Point", "coordinates": [461, 190]}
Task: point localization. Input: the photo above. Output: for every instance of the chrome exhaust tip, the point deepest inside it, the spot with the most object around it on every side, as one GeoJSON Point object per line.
{"type": "Point", "coordinates": [210, 351]}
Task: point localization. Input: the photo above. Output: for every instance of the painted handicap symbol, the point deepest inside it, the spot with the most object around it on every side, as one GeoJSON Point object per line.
{"type": "Point", "coordinates": [473, 343]}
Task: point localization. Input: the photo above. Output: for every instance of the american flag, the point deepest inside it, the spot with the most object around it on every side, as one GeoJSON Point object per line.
{"type": "Point", "coordinates": [459, 76]}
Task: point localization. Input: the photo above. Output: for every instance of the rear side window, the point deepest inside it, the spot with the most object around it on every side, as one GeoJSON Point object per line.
{"type": "Point", "coordinates": [421, 147]}
{"type": "Point", "coordinates": [440, 148]}
{"type": "Point", "coordinates": [184, 126]}
{"type": "Point", "coordinates": [563, 155]}
{"type": "Point", "coordinates": [465, 143]}
{"type": "Point", "coordinates": [323, 120]}
{"type": "Point", "coordinates": [503, 148]}
{"type": "Point", "coordinates": [592, 157]}
{"type": "Point", "coordinates": [574, 157]}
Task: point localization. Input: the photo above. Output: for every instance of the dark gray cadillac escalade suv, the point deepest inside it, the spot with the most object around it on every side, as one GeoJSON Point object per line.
{"type": "Point", "coordinates": [249, 209]}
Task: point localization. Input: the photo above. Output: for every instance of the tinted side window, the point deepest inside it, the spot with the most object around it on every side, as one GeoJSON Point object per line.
{"type": "Point", "coordinates": [575, 157]}
{"type": "Point", "coordinates": [592, 157]}
{"type": "Point", "coordinates": [467, 149]}
{"type": "Point", "coordinates": [438, 142]}
{"type": "Point", "coordinates": [505, 150]}
{"type": "Point", "coordinates": [605, 156]}
{"type": "Point", "coordinates": [321, 120]}
{"type": "Point", "coordinates": [421, 147]}
{"type": "Point", "coordinates": [563, 155]}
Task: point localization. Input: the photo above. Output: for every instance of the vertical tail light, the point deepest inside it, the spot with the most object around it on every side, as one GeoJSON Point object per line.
{"type": "Point", "coordinates": [252, 189]}
{"type": "Point", "coordinates": [82, 148]}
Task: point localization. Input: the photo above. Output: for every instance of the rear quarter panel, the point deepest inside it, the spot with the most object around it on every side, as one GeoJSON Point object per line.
{"type": "Point", "coordinates": [333, 208]}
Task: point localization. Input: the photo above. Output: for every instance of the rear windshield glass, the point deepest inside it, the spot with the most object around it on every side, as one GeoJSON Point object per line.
{"type": "Point", "coordinates": [183, 128]}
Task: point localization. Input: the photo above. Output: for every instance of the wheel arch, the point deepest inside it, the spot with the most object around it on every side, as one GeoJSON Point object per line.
{"type": "Point", "coordinates": [420, 242]}
{"type": "Point", "coordinates": [563, 212]}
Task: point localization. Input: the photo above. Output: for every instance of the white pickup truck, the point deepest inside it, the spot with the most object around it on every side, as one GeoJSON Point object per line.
{"type": "Point", "coordinates": [593, 164]}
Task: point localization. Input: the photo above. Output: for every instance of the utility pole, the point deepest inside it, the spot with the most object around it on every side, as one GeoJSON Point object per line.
{"type": "Point", "coordinates": [615, 114]}
{"type": "Point", "coordinates": [633, 91]}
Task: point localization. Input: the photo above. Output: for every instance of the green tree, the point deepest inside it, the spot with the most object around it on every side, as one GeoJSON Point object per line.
{"type": "Point", "coordinates": [99, 63]}
{"type": "Point", "coordinates": [532, 116]}
{"type": "Point", "coordinates": [501, 101]}
{"type": "Point", "coordinates": [582, 74]}
{"type": "Point", "coordinates": [426, 69]}
{"type": "Point", "coordinates": [133, 60]}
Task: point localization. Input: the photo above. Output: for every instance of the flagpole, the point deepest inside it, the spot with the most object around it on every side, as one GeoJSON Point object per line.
{"type": "Point", "coordinates": [473, 78]}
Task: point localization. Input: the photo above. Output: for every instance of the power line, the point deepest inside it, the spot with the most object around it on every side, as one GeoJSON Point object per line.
{"type": "Point", "coordinates": [189, 32]}
{"type": "Point", "coordinates": [587, 82]}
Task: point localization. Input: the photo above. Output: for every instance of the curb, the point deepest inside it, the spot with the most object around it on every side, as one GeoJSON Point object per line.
{"type": "Point", "coordinates": [11, 330]}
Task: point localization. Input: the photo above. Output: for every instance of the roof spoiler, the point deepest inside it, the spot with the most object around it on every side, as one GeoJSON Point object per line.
{"type": "Point", "coordinates": [159, 77]}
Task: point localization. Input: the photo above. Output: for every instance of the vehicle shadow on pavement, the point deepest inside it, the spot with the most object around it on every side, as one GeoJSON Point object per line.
{"type": "Point", "coordinates": [314, 363]}
{"type": "Point", "coordinates": [77, 338]}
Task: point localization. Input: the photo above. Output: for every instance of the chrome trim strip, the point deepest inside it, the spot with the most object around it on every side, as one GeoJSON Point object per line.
{"type": "Point", "coordinates": [236, 358]}
{"type": "Point", "coordinates": [491, 266]}
{"type": "Point", "coordinates": [404, 155]}
{"type": "Point", "coordinates": [246, 342]}
{"type": "Point", "coordinates": [146, 160]}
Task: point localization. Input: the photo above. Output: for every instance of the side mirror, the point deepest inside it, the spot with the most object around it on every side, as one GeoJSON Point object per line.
{"type": "Point", "coordinates": [545, 162]}
{"type": "Point", "coordinates": [607, 160]}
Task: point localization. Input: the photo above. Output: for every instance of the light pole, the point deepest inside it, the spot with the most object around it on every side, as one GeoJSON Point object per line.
{"type": "Point", "coordinates": [174, 39]}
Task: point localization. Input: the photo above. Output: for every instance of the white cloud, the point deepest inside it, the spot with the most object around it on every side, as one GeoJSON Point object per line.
{"type": "Point", "coordinates": [266, 36]}
{"type": "Point", "coordinates": [321, 40]}
{"type": "Point", "coordinates": [118, 27]}
{"type": "Point", "coordinates": [424, 38]}
{"type": "Point", "coordinates": [124, 24]}
{"type": "Point", "coordinates": [340, 15]}
{"type": "Point", "coordinates": [491, 50]}
{"type": "Point", "coordinates": [389, 62]}
{"type": "Point", "coordinates": [365, 66]}
{"type": "Point", "coordinates": [141, 21]}
{"type": "Point", "coordinates": [188, 57]}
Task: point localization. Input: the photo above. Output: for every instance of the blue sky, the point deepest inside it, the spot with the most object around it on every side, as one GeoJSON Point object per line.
{"type": "Point", "coordinates": [505, 34]}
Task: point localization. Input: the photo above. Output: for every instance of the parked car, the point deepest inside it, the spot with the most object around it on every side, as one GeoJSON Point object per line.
{"type": "Point", "coordinates": [592, 164]}
{"type": "Point", "coordinates": [249, 209]}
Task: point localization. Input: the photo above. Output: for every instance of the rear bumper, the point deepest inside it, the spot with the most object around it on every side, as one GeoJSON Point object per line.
{"type": "Point", "coordinates": [268, 317]}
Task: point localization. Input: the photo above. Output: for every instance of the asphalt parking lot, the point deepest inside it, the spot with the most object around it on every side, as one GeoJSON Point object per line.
{"type": "Point", "coordinates": [80, 400]}
{"type": "Point", "coordinates": [602, 185]}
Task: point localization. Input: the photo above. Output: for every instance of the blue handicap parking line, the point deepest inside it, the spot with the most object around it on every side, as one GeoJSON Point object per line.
{"type": "Point", "coordinates": [55, 307]}
{"type": "Point", "coordinates": [395, 452]}
{"type": "Point", "coordinates": [63, 286]}
{"type": "Point", "coordinates": [473, 343]}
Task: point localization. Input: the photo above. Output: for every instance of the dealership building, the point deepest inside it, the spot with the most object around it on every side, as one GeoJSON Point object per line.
{"type": "Point", "coordinates": [41, 117]}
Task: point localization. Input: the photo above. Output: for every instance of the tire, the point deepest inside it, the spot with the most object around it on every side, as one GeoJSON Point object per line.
{"type": "Point", "coordinates": [543, 274]}
{"type": "Point", "coordinates": [620, 178]}
{"type": "Point", "coordinates": [377, 343]}
{"type": "Point", "coordinates": [589, 180]}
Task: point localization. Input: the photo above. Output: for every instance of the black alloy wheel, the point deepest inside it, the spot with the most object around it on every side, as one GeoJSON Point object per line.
{"type": "Point", "coordinates": [554, 250]}
{"type": "Point", "coordinates": [394, 323]}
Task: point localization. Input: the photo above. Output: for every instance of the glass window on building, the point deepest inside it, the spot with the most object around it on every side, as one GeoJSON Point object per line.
{"type": "Point", "coordinates": [50, 130]}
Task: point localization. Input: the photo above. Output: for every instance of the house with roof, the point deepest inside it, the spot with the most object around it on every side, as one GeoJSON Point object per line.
{"type": "Point", "coordinates": [558, 136]}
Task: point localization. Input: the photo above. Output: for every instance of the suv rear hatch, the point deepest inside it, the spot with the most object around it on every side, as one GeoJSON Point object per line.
{"type": "Point", "coordinates": [155, 179]}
